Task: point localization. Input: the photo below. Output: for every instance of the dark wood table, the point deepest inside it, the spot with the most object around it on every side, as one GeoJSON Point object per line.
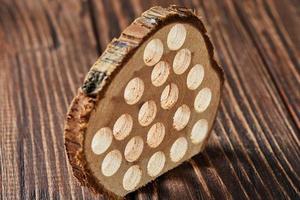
{"type": "Point", "coordinates": [47, 47]}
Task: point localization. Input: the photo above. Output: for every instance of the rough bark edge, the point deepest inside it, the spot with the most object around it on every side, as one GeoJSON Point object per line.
{"type": "Point", "coordinates": [120, 50]}
{"type": "Point", "coordinates": [75, 127]}
{"type": "Point", "coordinates": [107, 66]}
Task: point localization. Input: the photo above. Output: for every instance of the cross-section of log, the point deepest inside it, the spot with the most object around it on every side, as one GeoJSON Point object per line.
{"type": "Point", "coordinates": [147, 105]}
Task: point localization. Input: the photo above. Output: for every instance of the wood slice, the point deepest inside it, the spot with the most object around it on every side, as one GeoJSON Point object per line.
{"type": "Point", "coordinates": [147, 105]}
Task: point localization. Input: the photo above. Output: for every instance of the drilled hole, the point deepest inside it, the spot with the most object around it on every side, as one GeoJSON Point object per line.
{"type": "Point", "coordinates": [181, 117]}
{"type": "Point", "coordinates": [182, 61]}
{"type": "Point", "coordinates": [156, 135]}
{"type": "Point", "coordinates": [199, 131]}
{"type": "Point", "coordinates": [202, 100]}
{"type": "Point", "coordinates": [156, 163]}
{"type": "Point", "coordinates": [195, 77]}
{"type": "Point", "coordinates": [134, 91]}
{"type": "Point", "coordinates": [134, 149]}
{"type": "Point", "coordinates": [176, 37]}
{"type": "Point", "coordinates": [102, 140]}
{"type": "Point", "coordinates": [122, 127]}
{"type": "Point", "coordinates": [178, 149]}
{"type": "Point", "coordinates": [169, 96]}
{"type": "Point", "coordinates": [111, 163]}
{"type": "Point", "coordinates": [160, 73]}
{"type": "Point", "coordinates": [153, 52]}
{"type": "Point", "coordinates": [132, 178]}
{"type": "Point", "coordinates": [147, 113]}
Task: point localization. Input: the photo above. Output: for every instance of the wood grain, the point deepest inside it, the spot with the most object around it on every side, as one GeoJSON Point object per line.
{"type": "Point", "coordinates": [47, 47]}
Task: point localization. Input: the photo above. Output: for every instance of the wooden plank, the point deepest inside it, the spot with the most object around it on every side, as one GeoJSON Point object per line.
{"type": "Point", "coordinates": [46, 48]}
{"type": "Point", "coordinates": [277, 49]}
{"type": "Point", "coordinates": [256, 129]}
{"type": "Point", "coordinates": [53, 46]}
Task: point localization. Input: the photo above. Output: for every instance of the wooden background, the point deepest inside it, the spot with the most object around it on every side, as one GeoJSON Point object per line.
{"type": "Point", "coordinates": [47, 47]}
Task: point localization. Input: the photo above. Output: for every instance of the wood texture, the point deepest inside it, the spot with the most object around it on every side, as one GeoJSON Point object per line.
{"type": "Point", "coordinates": [47, 46]}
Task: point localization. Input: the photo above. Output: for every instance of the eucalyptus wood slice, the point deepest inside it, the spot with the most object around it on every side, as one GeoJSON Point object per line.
{"type": "Point", "coordinates": [147, 104]}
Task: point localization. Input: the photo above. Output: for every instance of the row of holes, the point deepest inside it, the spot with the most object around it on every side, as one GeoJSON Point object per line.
{"type": "Point", "coordinates": [133, 93]}
{"type": "Point", "coordinates": [112, 161]}
{"type": "Point", "coordinates": [156, 163]}
{"type": "Point", "coordinates": [135, 88]}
